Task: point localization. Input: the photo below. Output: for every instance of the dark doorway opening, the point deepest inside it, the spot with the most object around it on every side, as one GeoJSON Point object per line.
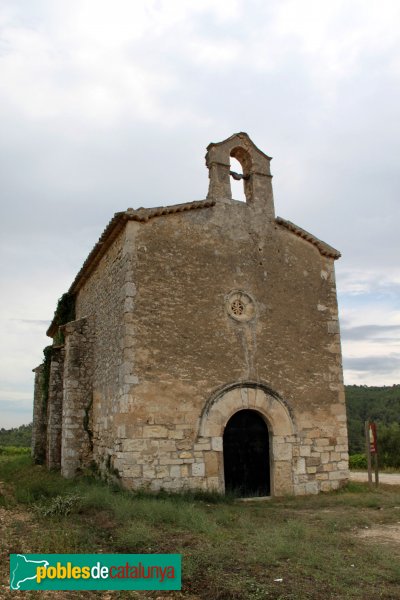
{"type": "Point", "coordinates": [246, 455]}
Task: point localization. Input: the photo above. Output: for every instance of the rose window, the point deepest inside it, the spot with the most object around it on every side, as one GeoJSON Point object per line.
{"type": "Point", "coordinates": [240, 306]}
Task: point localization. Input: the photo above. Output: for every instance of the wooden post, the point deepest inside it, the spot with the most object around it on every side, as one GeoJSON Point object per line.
{"type": "Point", "coordinates": [368, 453]}
{"type": "Point", "coordinates": [376, 462]}
{"type": "Point", "coordinates": [376, 469]}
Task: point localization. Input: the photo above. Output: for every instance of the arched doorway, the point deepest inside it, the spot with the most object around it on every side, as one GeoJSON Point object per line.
{"type": "Point", "coordinates": [246, 454]}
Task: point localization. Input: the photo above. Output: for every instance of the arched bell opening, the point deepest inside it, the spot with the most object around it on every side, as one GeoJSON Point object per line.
{"type": "Point", "coordinates": [241, 164]}
{"type": "Point", "coordinates": [237, 181]}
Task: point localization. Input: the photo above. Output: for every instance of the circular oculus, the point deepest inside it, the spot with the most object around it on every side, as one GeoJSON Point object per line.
{"type": "Point", "coordinates": [240, 306]}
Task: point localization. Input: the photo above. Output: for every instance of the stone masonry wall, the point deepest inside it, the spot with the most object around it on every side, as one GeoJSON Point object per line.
{"type": "Point", "coordinates": [54, 409]}
{"type": "Point", "coordinates": [186, 346]}
{"type": "Point", "coordinates": [77, 426]}
{"type": "Point", "coordinates": [106, 297]}
{"type": "Point", "coordinates": [39, 419]}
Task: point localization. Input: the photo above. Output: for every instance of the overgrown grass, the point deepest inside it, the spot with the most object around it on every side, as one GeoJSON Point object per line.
{"type": "Point", "coordinates": [14, 450]}
{"type": "Point", "coordinates": [231, 550]}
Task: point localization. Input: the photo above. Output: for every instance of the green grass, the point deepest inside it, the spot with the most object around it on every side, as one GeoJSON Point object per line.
{"type": "Point", "coordinates": [231, 550]}
{"type": "Point", "coordinates": [14, 450]}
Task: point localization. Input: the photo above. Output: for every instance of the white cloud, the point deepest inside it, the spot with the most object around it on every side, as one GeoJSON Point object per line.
{"type": "Point", "coordinates": [107, 105]}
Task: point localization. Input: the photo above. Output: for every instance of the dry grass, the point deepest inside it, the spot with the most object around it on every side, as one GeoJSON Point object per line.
{"type": "Point", "coordinates": [230, 550]}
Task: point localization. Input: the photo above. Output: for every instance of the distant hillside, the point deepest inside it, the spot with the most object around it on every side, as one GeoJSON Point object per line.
{"type": "Point", "coordinates": [18, 436]}
{"type": "Point", "coordinates": [379, 404]}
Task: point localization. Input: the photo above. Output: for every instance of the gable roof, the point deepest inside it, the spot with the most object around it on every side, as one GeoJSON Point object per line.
{"type": "Point", "coordinates": [114, 227]}
{"type": "Point", "coordinates": [142, 215]}
{"type": "Point", "coordinates": [324, 248]}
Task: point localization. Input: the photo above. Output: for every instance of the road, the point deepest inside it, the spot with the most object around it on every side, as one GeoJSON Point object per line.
{"type": "Point", "coordinates": [389, 478]}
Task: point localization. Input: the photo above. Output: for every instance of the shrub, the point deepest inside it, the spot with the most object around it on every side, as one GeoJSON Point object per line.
{"type": "Point", "coordinates": [358, 461]}
{"type": "Point", "coordinates": [60, 506]}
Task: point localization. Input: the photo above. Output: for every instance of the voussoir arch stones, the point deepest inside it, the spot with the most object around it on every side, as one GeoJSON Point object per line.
{"type": "Point", "coordinates": [225, 403]}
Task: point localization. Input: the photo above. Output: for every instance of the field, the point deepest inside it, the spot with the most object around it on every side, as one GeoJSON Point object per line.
{"type": "Point", "coordinates": [343, 545]}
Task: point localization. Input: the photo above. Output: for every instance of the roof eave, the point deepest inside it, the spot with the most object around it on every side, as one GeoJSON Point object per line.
{"type": "Point", "coordinates": [324, 249]}
{"type": "Point", "coordinates": [114, 227]}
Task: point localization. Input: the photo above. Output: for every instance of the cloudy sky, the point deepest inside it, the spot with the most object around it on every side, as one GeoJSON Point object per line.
{"type": "Point", "coordinates": [106, 105]}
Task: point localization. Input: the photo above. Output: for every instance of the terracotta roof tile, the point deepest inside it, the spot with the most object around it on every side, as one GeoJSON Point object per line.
{"type": "Point", "coordinates": [113, 229]}
{"type": "Point", "coordinates": [324, 248]}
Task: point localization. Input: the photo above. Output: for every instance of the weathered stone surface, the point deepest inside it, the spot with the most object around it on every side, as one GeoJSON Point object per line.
{"type": "Point", "coordinates": [39, 428]}
{"type": "Point", "coordinates": [157, 361]}
{"type": "Point", "coordinates": [77, 415]}
{"type": "Point", "coordinates": [54, 409]}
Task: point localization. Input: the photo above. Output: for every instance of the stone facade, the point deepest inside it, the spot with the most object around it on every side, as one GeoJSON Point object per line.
{"type": "Point", "coordinates": [39, 429]}
{"type": "Point", "coordinates": [186, 315]}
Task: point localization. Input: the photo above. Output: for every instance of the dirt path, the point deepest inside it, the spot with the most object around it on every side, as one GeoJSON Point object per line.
{"type": "Point", "coordinates": [388, 478]}
{"type": "Point", "coordinates": [381, 533]}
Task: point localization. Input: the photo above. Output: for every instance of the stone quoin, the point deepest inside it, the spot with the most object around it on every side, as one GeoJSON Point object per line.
{"type": "Point", "coordinates": [205, 350]}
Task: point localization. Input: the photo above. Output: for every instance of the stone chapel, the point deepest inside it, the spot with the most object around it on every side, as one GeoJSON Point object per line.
{"type": "Point", "coordinates": [204, 350]}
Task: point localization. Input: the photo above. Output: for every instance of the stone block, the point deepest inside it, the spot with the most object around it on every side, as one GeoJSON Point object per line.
{"type": "Point", "coordinates": [198, 470]}
{"type": "Point", "coordinates": [202, 446]}
{"type": "Point", "coordinates": [313, 462]}
{"type": "Point", "coordinates": [312, 487]}
{"type": "Point", "coordinates": [184, 444]}
{"type": "Point", "coordinates": [305, 450]}
{"type": "Point", "coordinates": [175, 471]}
{"type": "Point", "coordinates": [132, 471]}
{"type": "Point", "coordinates": [213, 483]}
{"type": "Point", "coordinates": [282, 482]}
{"type": "Point", "coordinates": [211, 463]}
{"type": "Point", "coordinates": [325, 457]}
{"type": "Point", "coordinates": [282, 451]}
{"type": "Point", "coordinates": [300, 489]}
{"type": "Point", "coordinates": [185, 454]}
{"type": "Point", "coordinates": [121, 431]}
{"type": "Point", "coordinates": [155, 431]}
{"type": "Point", "coordinates": [176, 434]}
{"type": "Point", "coordinates": [326, 486]}
{"type": "Point", "coordinates": [156, 485]}
{"type": "Point", "coordinates": [300, 466]}
{"type": "Point", "coordinates": [131, 379]}
{"type": "Point", "coordinates": [170, 461]}
{"type": "Point", "coordinates": [162, 472]}
{"type": "Point", "coordinates": [149, 472]}
{"type": "Point", "coordinates": [329, 467]}
{"type": "Point", "coordinates": [167, 445]}
{"type": "Point", "coordinates": [338, 475]}
{"type": "Point", "coordinates": [217, 444]}
{"type": "Point", "coordinates": [133, 445]}
{"type": "Point", "coordinates": [322, 442]}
